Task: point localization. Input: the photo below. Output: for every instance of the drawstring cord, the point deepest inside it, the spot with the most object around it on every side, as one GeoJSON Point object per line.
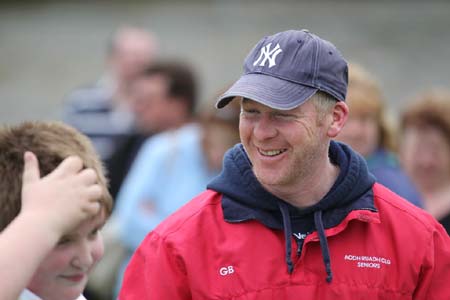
{"type": "Point", "coordinates": [287, 234]}
{"type": "Point", "coordinates": [322, 238]}
{"type": "Point", "coordinates": [323, 244]}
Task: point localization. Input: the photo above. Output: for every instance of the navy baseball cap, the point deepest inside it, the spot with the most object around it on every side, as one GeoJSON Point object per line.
{"type": "Point", "coordinates": [285, 69]}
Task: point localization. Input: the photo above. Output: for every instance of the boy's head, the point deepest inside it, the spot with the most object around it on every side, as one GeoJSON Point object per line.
{"type": "Point", "coordinates": [62, 275]}
{"type": "Point", "coordinates": [51, 142]}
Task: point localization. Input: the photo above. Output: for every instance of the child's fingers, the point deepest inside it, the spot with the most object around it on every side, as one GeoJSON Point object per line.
{"type": "Point", "coordinates": [88, 176]}
{"type": "Point", "coordinates": [93, 208]}
{"type": "Point", "coordinates": [30, 168]}
{"type": "Point", "coordinates": [70, 165]}
{"type": "Point", "coordinates": [94, 193]}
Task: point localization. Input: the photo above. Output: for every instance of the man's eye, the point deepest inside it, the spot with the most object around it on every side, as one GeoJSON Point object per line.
{"type": "Point", "coordinates": [283, 116]}
{"type": "Point", "coordinates": [249, 111]}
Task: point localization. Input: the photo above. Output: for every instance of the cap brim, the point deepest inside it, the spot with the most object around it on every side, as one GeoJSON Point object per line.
{"type": "Point", "coordinates": [268, 90]}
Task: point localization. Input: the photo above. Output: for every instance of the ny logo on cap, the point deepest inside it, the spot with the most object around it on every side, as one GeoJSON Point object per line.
{"type": "Point", "coordinates": [269, 55]}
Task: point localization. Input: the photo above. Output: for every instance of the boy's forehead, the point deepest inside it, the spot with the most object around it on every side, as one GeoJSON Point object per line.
{"type": "Point", "coordinates": [95, 222]}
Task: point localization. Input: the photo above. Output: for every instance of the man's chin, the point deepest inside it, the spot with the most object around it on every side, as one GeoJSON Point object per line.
{"type": "Point", "coordinates": [269, 180]}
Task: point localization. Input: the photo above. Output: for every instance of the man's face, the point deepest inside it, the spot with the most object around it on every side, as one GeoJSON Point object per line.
{"type": "Point", "coordinates": [425, 154]}
{"type": "Point", "coordinates": [149, 102]}
{"type": "Point", "coordinates": [283, 145]}
{"type": "Point", "coordinates": [63, 274]}
{"type": "Point", "coordinates": [132, 54]}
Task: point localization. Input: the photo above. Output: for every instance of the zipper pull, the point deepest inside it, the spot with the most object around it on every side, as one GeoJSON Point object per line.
{"type": "Point", "coordinates": [299, 246]}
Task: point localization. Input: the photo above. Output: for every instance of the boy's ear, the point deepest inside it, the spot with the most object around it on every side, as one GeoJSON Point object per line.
{"type": "Point", "coordinates": [340, 116]}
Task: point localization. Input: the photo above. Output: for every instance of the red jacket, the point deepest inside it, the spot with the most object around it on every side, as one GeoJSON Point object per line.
{"type": "Point", "coordinates": [399, 252]}
{"type": "Point", "coordinates": [237, 241]}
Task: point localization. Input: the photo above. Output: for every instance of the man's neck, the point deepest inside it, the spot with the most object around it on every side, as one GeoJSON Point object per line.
{"type": "Point", "coordinates": [311, 189]}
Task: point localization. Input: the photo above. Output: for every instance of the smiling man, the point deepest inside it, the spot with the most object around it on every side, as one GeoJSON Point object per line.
{"type": "Point", "coordinates": [293, 213]}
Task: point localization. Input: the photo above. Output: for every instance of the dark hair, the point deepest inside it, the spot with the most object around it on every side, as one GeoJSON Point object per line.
{"type": "Point", "coordinates": [181, 78]}
{"type": "Point", "coordinates": [51, 142]}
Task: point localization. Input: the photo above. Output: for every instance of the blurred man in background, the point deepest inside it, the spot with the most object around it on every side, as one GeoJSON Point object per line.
{"type": "Point", "coordinates": [101, 111]}
{"type": "Point", "coordinates": [161, 97]}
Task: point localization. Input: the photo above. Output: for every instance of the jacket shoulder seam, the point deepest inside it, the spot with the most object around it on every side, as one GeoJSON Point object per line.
{"type": "Point", "coordinates": [170, 231]}
{"type": "Point", "coordinates": [424, 219]}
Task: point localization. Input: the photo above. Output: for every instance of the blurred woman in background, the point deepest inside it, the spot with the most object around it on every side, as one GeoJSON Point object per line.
{"type": "Point", "coordinates": [425, 150]}
{"type": "Point", "coordinates": [368, 132]}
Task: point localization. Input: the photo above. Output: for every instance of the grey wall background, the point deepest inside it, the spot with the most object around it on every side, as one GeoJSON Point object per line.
{"type": "Point", "coordinates": [48, 48]}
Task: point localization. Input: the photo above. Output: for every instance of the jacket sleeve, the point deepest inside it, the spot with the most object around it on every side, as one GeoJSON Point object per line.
{"type": "Point", "coordinates": [155, 272]}
{"type": "Point", "coordinates": [435, 272]}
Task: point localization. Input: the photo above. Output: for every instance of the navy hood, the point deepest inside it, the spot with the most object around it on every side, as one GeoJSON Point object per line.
{"type": "Point", "coordinates": [244, 198]}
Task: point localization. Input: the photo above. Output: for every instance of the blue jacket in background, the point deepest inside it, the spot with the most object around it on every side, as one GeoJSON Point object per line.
{"type": "Point", "coordinates": [385, 166]}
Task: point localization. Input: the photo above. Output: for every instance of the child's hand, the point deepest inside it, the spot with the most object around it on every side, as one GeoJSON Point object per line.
{"type": "Point", "coordinates": [62, 199]}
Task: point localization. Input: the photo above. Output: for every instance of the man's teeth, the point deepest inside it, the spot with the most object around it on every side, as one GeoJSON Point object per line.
{"type": "Point", "coordinates": [271, 152]}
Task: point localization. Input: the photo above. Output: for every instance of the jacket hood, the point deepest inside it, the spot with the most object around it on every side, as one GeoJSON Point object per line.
{"type": "Point", "coordinates": [244, 198]}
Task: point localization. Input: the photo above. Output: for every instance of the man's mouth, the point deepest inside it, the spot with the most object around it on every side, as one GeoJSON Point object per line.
{"type": "Point", "coordinates": [271, 153]}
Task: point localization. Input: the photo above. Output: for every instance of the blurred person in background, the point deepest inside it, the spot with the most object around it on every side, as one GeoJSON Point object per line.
{"type": "Point", "coordinates": [162, 97]}
{"type": "Point", "coordinates": [171, 168]}
{"type": "Point", "coordinates": [101, 111]}
{"type": "Point", "coordinates": [425, 150]}
{"type": "Point", "coordinates": [368, 132]}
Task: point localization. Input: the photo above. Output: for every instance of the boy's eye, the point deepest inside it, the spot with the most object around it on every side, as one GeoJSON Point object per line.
{"type": "Point", "coordinates": [64, 240]}
{"type": "Point", "coordinates": [94, 233]}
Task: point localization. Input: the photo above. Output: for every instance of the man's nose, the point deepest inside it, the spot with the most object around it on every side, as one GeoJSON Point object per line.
{"type": "Point", "coordinates": [265, 127]}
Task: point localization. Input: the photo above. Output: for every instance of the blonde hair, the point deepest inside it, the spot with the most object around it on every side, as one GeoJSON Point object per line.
{"type": "Point", "coordinates": [323, 104]}
{"type": "Point", "coordinates": [51, 142]}
{"type": "Point", "coordinates": [364, 98]}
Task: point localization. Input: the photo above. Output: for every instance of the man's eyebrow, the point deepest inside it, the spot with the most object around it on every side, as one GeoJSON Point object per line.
{"type": "Point", "coordinates": [247, 101]}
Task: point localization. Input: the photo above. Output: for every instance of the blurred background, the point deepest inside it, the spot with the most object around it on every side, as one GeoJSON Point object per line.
{"type": "Point", "coordinates": [49, 48]}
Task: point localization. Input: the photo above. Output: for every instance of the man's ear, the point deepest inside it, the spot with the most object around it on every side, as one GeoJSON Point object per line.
{"type": "Point", "coordinates": [340, 116]}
